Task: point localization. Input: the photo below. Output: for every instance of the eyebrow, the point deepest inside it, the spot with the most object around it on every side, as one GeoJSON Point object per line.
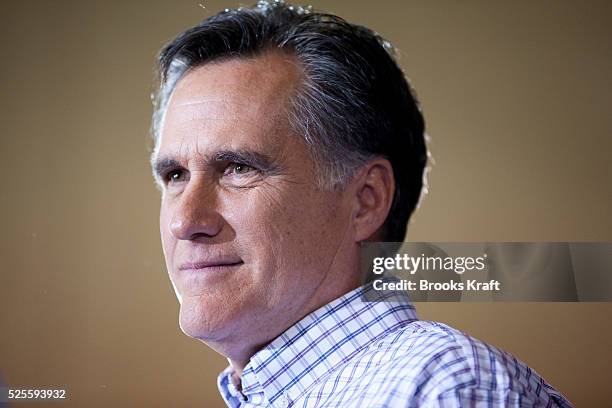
{"type": "Point", "coordinates": [250, 158]}
{"type": "Point", "coordinates": [161, 165]}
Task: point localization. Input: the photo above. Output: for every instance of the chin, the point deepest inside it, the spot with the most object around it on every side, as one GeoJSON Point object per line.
{"type": "Point", "coordinates": [200, 322]}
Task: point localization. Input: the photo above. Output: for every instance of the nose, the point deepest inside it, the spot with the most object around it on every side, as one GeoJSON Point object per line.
{"type": "Point", "coordinates": [195, 215]}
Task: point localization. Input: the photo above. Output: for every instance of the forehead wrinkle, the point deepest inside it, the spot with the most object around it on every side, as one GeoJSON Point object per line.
{"type": "Point", "coordinates": [229, 112]}
{"type": "Point", "coordinates": [222, 98]}
{"type": "Point", "coordinates": [272, 89]}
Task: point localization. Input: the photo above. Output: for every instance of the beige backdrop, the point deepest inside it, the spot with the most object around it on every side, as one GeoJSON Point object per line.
{"type": "Point", "coordinates": [517, 98]}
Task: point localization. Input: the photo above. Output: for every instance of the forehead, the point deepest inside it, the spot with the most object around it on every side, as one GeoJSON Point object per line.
{"type": "Point", "coordinates": [235, 101]}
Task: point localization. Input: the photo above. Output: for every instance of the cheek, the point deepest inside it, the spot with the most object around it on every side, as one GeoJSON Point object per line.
{"type": "Point", "coordinates": [256, 218]}
{"type": "Point", "coordinates": [266, 222]}
{"type": "Point", "coordinates": [291, 225]}
{"type": "Point", "coordinates": [166, 237]}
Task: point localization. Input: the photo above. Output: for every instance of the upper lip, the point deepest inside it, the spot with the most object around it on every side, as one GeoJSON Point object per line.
{"type": "Point", "coordinates": [207, 263]}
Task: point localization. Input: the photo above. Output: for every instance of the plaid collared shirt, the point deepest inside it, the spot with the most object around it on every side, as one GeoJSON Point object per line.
{"type": "Point", "coordinates": [353, 353]}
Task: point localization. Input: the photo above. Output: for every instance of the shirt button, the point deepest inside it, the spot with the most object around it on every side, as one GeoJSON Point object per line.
{"type": "Point", "coordinates": [283, 401]}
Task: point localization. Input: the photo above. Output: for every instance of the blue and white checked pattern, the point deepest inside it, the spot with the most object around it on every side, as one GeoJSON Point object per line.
{"type": "Point", "coordinates": [353, 353]}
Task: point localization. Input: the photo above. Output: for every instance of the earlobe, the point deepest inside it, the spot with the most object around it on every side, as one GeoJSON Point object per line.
{"type": "Point", "coordinates": [374, 195]}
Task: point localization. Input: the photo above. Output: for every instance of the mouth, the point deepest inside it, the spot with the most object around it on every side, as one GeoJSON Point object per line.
{"type": "Point", "coordinates": [211, 266]}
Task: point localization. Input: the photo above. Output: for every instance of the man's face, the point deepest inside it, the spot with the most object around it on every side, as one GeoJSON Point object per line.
{"type": "Point", "coordinates": [251, 243]}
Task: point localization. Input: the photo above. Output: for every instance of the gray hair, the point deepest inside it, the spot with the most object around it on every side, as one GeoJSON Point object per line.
{"type": "Point", "coordinates": [354, 103]}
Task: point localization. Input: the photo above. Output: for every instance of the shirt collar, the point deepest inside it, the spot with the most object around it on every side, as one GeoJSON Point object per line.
{"type": "Point", "coordinates": [318, 344]}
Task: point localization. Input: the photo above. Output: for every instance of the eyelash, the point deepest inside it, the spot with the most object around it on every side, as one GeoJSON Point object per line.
{"type": "Point", "coordinates": [168, 177]}
{"type": "Point", "coordinates": [234, 167]}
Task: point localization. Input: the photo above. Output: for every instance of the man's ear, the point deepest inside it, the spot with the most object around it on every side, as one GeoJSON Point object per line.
{"type": "Point", "coordinates": [375, 186]}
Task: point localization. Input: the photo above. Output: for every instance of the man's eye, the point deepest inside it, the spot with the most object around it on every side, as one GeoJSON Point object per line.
{"type": "Point", "coordinates": [238, 168]}
{"type": "Point", "coordinates": [175, 176]}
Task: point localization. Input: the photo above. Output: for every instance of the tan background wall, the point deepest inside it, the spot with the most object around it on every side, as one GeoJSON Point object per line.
{"type": "Point", "coordinates": [517, 97]}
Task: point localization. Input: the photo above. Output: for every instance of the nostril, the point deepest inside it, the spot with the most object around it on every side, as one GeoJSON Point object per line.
{"type": "Point", "coordinates": [198, 235]}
